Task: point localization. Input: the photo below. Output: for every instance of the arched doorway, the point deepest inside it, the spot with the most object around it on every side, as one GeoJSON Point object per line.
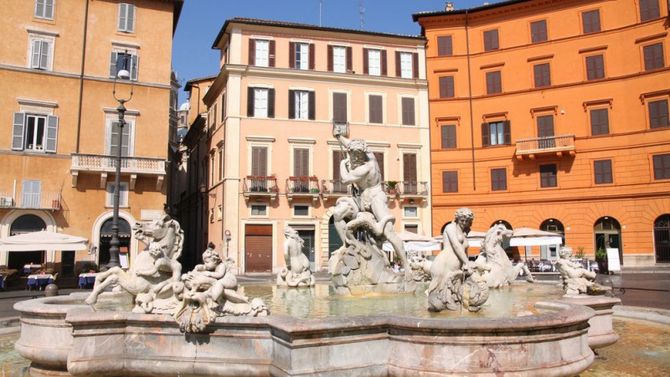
{"type": "Point", "coordinates": [334, 241]}
{"type": "Point", "coordinates": [514, 254]}
{"type": "Point", "coordinates": [26, 224]}
{"type": "Point", "coordinates": [662, 238]}
{"type": "Point", "coordinates": [106, 237]}
{"type": "Point", "coordinates": [607, 233]}
{"type": "Point", "coordinates": [554, 226]}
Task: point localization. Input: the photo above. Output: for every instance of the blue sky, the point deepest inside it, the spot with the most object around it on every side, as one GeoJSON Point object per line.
{"type": "Point", "coordinates": [201, 21]}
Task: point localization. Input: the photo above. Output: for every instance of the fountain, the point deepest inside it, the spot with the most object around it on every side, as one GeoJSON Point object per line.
{"type": "Point", "coordinates": [467, 319]}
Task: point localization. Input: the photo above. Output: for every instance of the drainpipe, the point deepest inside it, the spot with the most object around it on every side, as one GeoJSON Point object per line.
{"type": "Point", "coordinates": [81, 76]}
{"type": "Point", "coordinates": [472, 126]}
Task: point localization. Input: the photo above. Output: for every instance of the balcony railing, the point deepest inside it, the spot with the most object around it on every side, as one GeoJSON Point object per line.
{"type": "Point", "coordinates": [107, 164]}
{"type": "Point", "coordinates": [302, 186]}
{"type": "Point", "coordinates": [542, 145]}
{"type": "Point", "coordinates": [260, 186]}
{"type": "Point", "coordinates": [334, 188]}
{"type": "Point", "coordinates": [32, 200]}
{"type": "Point", "coordinates": [413, 190]}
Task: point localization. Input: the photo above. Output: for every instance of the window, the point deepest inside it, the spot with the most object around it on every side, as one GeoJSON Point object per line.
{"type": "Point", "coordinates": [599, 122]}
{"type": "Point", "coordinates": [126, 17]}
{"type": "Point", "coordinates": [374, 62]}
{"type": "Point", "coordinates": [595, 67]}
{"type": "Point", "coordinates": [658, 114]}
{"type": "Point", "coordinates": [260, 102]}
{"type": "Point", "coordinates": [376, 112]}
{"type": "Point", "coordinates": [127, 60]}
{"type": "Point", "coordinates": [491, 40]}
{"type": "Point", "coordinates": [220, 164]}
{"type": "Point", "coordinates": [31, 193]}
{"type": "Point", "coordinates": [35, 133]}
{"type": "Point", "coordinates": [123, 195]}
{"type": "Point", "coordinates": [499, 179]}
{"type": "Point", "coordinates": [41, 52]}
{"type": "Point", "coordinates": [649, 10]}
{"type": "Point", "coordinates": [545, 131]}
{"type": "Point", "coordinates": [538, 31]}
{"type": "Point", "coordinates": [493, 82]}
{"type": "Point", "coordinates": [409, 173]}
{"type": "Point", "coordinates": [444, 45]}
{"type": "Point", "coordinates": [301, 55]}
{"type": "Point", "coordinates": [408, 111]}
{"type": "Point", "coordinates": [261, 53]}
{"type": "Point", "coordinates": [223, 107]}
{"type": "Point", "coordinates": [411, 212]}
{"type": "Point", "coordinates": [448, 136]}
{"type": "Point", "coordinates": [259, 163]}
{"type": "Point", "coordinates": [340, 107]}
{"type": "Point", "coordinates": [449, 181]}
{"type": "Point", "coordinates": [548, 175]}
{"type": "Point", "coordinates": [301, 169]}
{"type": "Point", "coordinates": [496, 133]}
{"type": "Point", "coordinates": [300, 210]}
{"type": "Point", "coordinates": [602, 170]}
{"type": "Point", "coordinates": [412, 228]}
{"type": "Point", "coordinates": [662, 166]}
{"type": "Point", "coordinates": [542, 75]}
{"type": "Point", "coordinates": [301, 104]}
{"type": "Point", "coordinates": [653, 56]}
{"type": "Point", "coordinates": [379, 156]}
{"type": "Point", "coordinates": [407, 64]}
{"type": "Point", "coordinates": [339, 59]}
{"type": "Point", "coordinates": [112, 138]}
{"type": "Point", "coordinates": [591, 21]}
{"type": "Point", "coordinates": [447, 87]}
{"type": "Point", "coordinates": [44, 9]}
{"type": "Point", "coordinates": [259, 210]}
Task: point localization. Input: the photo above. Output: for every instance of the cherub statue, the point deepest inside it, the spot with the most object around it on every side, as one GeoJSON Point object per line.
{"type": "Point", "coordinates": [576, 279]}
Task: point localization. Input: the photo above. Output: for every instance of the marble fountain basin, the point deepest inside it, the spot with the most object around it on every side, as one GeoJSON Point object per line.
{"type": "Point", "coordinates": [62, 336]}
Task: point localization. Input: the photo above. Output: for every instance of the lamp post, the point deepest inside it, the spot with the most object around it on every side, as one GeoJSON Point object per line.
{"type": "Point", "coordinates": [121, 110]}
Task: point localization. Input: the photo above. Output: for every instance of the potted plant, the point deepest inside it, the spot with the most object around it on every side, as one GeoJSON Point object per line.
{"type": "Point", "coordinates": [392, 187]}
{"type": "Point", "coordinates": [601, 259]}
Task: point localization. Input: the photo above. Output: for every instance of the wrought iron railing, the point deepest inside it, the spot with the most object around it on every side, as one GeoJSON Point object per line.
{"type": "Point", "coordinates": [335, 187]}
{"type": "Point", "coordinates": [303, 185]}
{"type": "Point", "coordinates": [260, 184]}
{"type": "Point", "coordinates": [413, 188]}
{"type": "Point", "coordinates": [32, 200]}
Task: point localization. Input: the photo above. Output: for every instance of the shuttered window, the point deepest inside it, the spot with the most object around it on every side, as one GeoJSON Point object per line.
{"type": "Point", "coordinates": [491, 40]}
{"type": "Point", "coordinates": [340, 107]}
{"type": "Point", "coordinates": [376, 108]}
{"type": "Point", "coordinates": [595, 67]}
{"type": "Point", "coordinates": [301, 55]}
{"type": "Point", "coordinates": [649, 10]}
{"type": "Point", "coordinates": [449, 181]}
{"type": "Point", "coordinates": [408, 111]}
{"type": "Point", "coordinates": [300, 104]}
{"type": "Point", "coordinates": [499, 179]}
{"type": "Point", "coordinates": [658, 114]}
{"type": "Point", "coordinates": [34, 132]}
{"type": "Point", "coordinates": [260, 102]}
{"type": "Point", "coordinates": [444, 45]}
{"type": "Point", "coordinates": [259, 161]}
{"type": "Point", "coordinates": [538, 31]}
{"type": "Point", "coordinates": [128, 61]}
{"type": "Point", "coordinates": [409, 173]}
{"type": "Point", "coordinates": [653, 56]}
{"type": "Point", "coordinates": [548, 175]}
{"type": "Point", "coordinates": [126, 17]}
{"type": "Point", "coordinates": [493, 82]}
{"type": "Point", "coordinates": [261, 53]}
{"type": "Point", "coordinates": [44, 9]}
{"type": "Point", "coordinates": [599, 122]}
{"type": "Point", "coordinates": [542, 75]}
{"type": "Point", "coordinates": [545, 126]}
{"type": "Point", "coordinates": [31, 194]}
{"type": "Point", "coordinates": [113, 139]}
{"type": "Point", "coordinates": [123, 195]}
{"type": "Point", "coordinates": [339, 59]}
{"type": "Point", "coordinates": [379, 156]}
{"type": "Point", "coordinates": [40, 54]}
{"type": "Point", "coordinates": [448, 136]}
{"type": "Point", "coordinates": [447, 87]}
{"type": "Point", "coordinates": [602, 170]}
{"type": "Point", "coordinates": [496, 133]}
{"type": "Point", "coordinates": [591, 21]}
{"type": "Point", "coordinates": [407, 64]}
{"type": "Point", "coordinates": [661, 166]}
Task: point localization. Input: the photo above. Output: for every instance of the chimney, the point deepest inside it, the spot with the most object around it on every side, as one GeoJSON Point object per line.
{"type": "Point", "coordinates": [449, 6]}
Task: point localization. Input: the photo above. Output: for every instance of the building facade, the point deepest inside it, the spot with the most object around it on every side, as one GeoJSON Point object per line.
{"type": "Point", "coordinates": [272, 159]}
{"type": "Point", "coordinates": [58, 63]}
{"type": "Point", "coordinates": [554, 115]}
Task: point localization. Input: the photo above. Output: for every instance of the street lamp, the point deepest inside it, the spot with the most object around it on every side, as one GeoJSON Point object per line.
{"type": "Point", "coordinates": [122, 74]}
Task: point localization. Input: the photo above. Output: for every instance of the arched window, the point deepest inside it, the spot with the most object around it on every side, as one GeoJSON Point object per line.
{"type": "Point", "coordinates": [554, 226]}
{"type": "Point", "coordinates": [607, 234]}
{"type": "Point", "coordinates": [662, 238]}
{"type": "Point", "coordinates": [106, 237]}
{"type": "Point", "coordinates": [26, 224]}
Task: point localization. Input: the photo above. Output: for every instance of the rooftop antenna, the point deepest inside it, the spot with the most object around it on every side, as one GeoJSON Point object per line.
{"type": "Point", "coordinates": [320, 11]}
{"type": "Point", "coordinates": [361, 12]}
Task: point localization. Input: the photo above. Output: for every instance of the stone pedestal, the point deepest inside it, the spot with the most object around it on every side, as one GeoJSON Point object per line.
{"type": "Point", "coordinates": [601, 333]}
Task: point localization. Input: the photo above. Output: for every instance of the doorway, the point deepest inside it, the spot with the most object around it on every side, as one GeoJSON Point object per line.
{"type": "Point", "coordinates": [662, 239]}
{"type": "Point", "coordinates": [26, 224]}
{"type": "Point", "coordinates": [307, 235]}
{"type": "Point", "coordinates": [607, 234]}
{"type": "Point", "coordinates": [106, 237]}
{"type": "Point", "coordinates": [334, 241]}
{"type": "Point", "coordinates": [258, 248]}
{"type": "Point", "coordinates": [67, 263]}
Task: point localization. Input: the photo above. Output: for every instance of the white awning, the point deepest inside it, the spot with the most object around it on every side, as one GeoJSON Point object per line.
{"type": "Point", "coordinates": [43, 240]}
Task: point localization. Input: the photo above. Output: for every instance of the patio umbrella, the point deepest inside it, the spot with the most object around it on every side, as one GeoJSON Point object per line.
{"type": "Point", "coordinates": [43, 240]}
{"type": "Point", "coordinates": [534, 237]}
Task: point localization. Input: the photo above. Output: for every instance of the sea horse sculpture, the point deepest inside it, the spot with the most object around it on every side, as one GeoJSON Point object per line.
{"type": "Point", "coordinates": [501, 270]}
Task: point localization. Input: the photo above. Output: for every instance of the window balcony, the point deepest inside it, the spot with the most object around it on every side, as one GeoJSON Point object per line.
{"type": "Point", "coordinates": [102, 164]}
{"type": "Point", "coordinates": [411, 191]}
{"type": "Point", "coordinates": [50, 201]}
{"type": "Point", "coordinates": [260, 187]}
{"type": "Point", "coordinates": [555, 145]}
{"type": "Point", "coordinates": [334, 189]}
{"type": "Point", "coordinates": [302, 187]}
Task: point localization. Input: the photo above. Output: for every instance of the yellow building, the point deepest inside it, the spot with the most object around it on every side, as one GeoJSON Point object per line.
{"type": "Point", "coordinates": [553, 114]}
{"type": "Point", "coordinates": [271, 159]}
{"type": "Point", "coordinates": [58, 60]}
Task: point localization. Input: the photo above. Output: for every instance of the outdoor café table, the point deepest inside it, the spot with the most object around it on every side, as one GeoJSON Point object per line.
{"type": "Point", "coordinates": [39, 281]}
{"type": "Point", "coordinates": [28, 268]}
{"type": "Point", "coordinates": [86, 279]}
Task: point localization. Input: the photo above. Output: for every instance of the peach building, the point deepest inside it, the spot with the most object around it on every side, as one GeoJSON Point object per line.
{"type": "Point", "coordinates": [58, 60]}
{"type": "Point", "coordinates": [554, 115]}
{"type": "Point", "coordinates": [272, 160]}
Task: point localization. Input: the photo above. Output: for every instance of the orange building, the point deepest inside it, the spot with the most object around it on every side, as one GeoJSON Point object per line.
{"type": "Point", "coordinates": [58, 60]}
{"type": "Point", "coordinates": [553, 114]}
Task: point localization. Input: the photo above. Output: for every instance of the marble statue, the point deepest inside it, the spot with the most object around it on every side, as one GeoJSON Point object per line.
{"type": "Point", "coordinates": [455, 281]}
{"type": "Point", "coordinates": [363, 222]}
{"type": "Point", "coordinates": [210, 290]}
{"type": "Point", "coordinates": [297, 272]}
{"type": "Point", "coordinates": [149, 278]}
{"type": "Point", "coordinates": [419, 266]}
{"type": "Point", "coordinates": [501, 271]}
{"type": "Point", "coordinates": [576, 279]}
